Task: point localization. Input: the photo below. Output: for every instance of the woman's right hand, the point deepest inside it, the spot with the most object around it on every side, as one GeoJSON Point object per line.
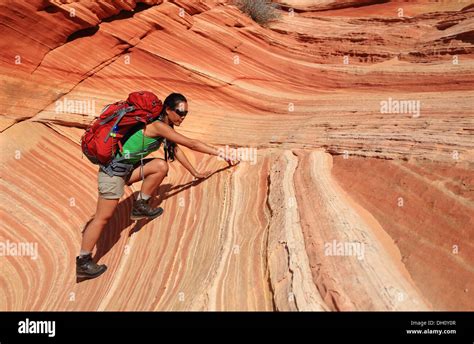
{"type": "Point", "coordinates": [226, 154]}
{"type": "Point", "coordinates": [232, 160]}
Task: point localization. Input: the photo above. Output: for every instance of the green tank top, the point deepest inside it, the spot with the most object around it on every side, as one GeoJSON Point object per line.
{"type": "Point", "coordinates": [137, 145]}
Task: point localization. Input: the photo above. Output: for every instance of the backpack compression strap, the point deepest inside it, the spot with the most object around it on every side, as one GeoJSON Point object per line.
{"type": "Point", "coordinates": [120, 114]}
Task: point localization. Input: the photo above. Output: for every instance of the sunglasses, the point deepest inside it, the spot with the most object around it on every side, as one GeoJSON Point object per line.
{"type": "Point", "coordinates": [181, 113]}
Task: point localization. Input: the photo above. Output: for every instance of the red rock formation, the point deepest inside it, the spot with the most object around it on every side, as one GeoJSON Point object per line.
{"type": "Point", "coordinates": [427, 209]}
{"type": "Point", "coordinates": [325, 79]}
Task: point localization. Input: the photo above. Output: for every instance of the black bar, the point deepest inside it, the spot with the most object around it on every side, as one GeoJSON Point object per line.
{"type": "Point", "coordinates": [350, 325]}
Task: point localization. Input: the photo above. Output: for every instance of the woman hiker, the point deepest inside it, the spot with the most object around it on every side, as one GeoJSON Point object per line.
{"type": "Point", "coordinates": [111, 188]}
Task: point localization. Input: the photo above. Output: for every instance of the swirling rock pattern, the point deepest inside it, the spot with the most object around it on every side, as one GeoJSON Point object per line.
{"type": "Point", "coordinates": [348, 206]}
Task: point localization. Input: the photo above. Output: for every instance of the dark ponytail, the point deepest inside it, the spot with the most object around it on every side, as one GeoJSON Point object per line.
{"type": "Point", "coordinates": [172, 102]}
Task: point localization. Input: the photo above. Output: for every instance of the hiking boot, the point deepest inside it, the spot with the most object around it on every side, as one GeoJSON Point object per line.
{"type": "Point", "coordinates": [86, 268]}
{"type": "Point", "coordinates": [142, 210]}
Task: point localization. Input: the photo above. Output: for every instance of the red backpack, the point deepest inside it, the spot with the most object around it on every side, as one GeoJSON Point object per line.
{"type": "Point", "coordinates": [101, 140]}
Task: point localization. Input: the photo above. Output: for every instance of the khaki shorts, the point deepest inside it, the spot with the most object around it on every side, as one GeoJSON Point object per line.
{"type": "Point", "coordinates": [111, 187]}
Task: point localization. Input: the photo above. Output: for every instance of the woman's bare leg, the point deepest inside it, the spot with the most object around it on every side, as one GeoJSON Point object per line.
{"type": "Point", "coordinates": [105, 210]}
{"type": "Point", "coordinates": [155, 171]}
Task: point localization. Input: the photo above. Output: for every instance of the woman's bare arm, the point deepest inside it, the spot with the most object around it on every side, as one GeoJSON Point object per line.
{"type": "Point", "coordinates": [161, 129]}
{"type": "Point", "coordinates": [181, 157]}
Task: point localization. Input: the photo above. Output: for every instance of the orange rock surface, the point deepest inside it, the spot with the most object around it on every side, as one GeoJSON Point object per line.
{"type": "Point", "coordinates": [361, 197]}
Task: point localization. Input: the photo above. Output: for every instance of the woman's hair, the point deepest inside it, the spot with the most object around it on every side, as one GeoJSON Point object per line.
{"type": "Point", "coordinates": [171, 102]}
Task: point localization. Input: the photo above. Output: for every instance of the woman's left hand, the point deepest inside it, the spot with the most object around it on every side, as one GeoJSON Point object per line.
{"type": "Point", "coordinates": [202, 175]}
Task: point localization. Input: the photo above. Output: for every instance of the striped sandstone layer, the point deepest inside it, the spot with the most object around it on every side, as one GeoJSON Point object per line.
{"type": "Point", "coordinates": [331, 165]}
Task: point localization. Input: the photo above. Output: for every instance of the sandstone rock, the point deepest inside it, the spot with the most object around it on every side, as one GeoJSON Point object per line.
{"type": "Point", "coordinates": [353, 108]}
